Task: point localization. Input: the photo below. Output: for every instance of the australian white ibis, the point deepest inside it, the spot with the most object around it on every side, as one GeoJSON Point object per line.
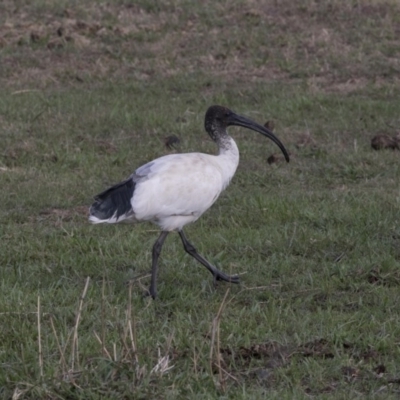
{"type": "Point", "coordinates": [176, 189]}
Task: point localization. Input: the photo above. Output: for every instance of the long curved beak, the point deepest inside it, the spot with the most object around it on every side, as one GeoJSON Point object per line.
{"type": "Point", "coordinates": [238, 120]}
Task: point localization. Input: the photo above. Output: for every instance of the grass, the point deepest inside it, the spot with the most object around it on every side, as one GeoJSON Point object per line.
{"type": "Point", "coordinates": [316, 241]}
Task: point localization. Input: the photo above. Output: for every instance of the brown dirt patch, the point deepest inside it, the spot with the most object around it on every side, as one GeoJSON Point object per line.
{"type": "Point", "coordinates": [258, 42]}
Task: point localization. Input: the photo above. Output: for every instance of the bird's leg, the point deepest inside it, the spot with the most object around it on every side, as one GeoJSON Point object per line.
{"type": "Point", "coordinates": [217, 274]}
{"type": "Point", "coordinates": [154, 266]}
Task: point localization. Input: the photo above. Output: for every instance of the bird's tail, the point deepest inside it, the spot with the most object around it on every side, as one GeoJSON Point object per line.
{"type": "Point", "coordinates": [114, 204]}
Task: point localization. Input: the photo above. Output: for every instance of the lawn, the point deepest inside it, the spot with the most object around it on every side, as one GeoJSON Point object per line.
{"type": "Point", "coordinates": [89, 92]}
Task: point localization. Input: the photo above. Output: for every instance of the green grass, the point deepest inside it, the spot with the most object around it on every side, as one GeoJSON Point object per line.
{"type": "Point", "coordinates": [316, 241]}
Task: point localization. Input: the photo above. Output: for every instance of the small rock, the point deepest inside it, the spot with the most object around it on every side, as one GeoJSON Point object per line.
{"type": "Point", "coordinates": [171, 141]}
{"type": "Point", "coordinates": [35, 37]}
{"type": "Point", "coordinates": [276, 157]}
{"type": "Point", "coordinates": [384, 141]}
{"type": "Point", "coordinates": [270, 125]}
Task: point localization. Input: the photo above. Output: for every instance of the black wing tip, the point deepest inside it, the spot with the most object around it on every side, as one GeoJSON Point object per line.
{"type": "Point", "coordinates": [100, 211]}
{"type": "Point", "coordinates": [114, 202]}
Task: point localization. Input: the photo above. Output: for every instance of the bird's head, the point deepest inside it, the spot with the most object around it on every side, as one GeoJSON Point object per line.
{"type": "Point", "coordinates": [218, 118]}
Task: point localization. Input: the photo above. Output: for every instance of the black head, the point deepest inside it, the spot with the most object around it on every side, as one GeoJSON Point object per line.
{"type": "Point", "coordinates": [218, 118]}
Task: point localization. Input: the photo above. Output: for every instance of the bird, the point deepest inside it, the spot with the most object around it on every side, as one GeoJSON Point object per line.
{"type": "Point", "coordinates": [176, 189]}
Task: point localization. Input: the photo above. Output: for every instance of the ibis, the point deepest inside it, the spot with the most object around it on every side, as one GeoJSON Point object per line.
{"type": "Point", "coordinates": [176, 189]}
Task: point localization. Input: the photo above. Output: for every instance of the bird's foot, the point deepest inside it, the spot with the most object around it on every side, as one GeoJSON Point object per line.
{"type": "Point", "coordinates": [220, 276]}
{"type": "Point", "coordinates": [151, 292]}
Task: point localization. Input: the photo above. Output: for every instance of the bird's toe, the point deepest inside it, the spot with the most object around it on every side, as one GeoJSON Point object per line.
{"type": "Point", "coordinates": [227, 278]}
{"type": "Point", "coordinates": [151, 293]}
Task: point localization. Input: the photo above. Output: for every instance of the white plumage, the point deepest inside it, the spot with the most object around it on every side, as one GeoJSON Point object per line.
{"type": "Point", "coordinates": [176, 189]}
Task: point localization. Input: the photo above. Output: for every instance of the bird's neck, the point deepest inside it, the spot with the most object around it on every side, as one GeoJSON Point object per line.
{"type": "Point", "coordinates": [228, 155]}
{"type": "Point", "coordinates": [227, 145]}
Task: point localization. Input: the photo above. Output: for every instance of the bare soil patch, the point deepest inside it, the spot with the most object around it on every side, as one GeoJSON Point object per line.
{"type": "Point", "coordinates": [335, 46]}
